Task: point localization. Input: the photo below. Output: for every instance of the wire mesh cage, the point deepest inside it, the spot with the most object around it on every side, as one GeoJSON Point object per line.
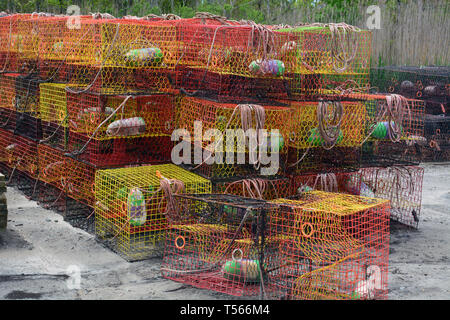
{"type": "Point", "coordinates": [338, 181]}
{"type": "Point", "coordinates": [257, 188]}
{"type": "Point", "coordinates": [393, 117]}
{"type": "Point", "coordinates": [327, 124]}
{"type": "Point", "coordinates": [52, 166]}
{"type": "Point", "coordinates": [401, 185]}
{"type": "Point", "coordinates": [218, 242]}
{"type": "Point", "coordinates": [8, 43]}
{"type": "Point", "coordinates": [53, 114]}
{"type": "Point", "coordinates": [106, 117]}
{"type": "Point", "coordinates": [23, 156]}
{"type": "Point", "coordinates": [320, 160]}
{"type": "Point", "coordinates": [131, 204]}
{"type": "Point", "coordinates": [437, 135]}
{"type": "Point", "coordinates": [429, 83]}
{"type": "Point", "coordinates": [119, 151]}
{"type": "Point", "coordinates": [334, 246]}
{"type": "Point", "coordinates": [6, 145]}
{"type": "Point", "coordinates": [110, 56]}
{"type": "Point", "coordinates": [237, 57]}
{"type": "Point", "coordinates": [328, 60]}
{"type": "Point", "coordinates": [196, 114]}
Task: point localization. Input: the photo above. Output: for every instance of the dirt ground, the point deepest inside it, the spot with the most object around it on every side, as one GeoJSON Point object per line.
{"type": "Point", "coordinates": [38, 251]}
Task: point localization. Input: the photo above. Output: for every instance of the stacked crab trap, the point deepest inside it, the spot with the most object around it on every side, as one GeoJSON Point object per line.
{"type": "Point", "coordinates": [432, 86]}
{"type": "Point", "coordinates": [252, 159]}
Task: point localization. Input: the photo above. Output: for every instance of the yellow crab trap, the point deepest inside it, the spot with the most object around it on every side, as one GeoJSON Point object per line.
{"type": "Point", "coordinates": [132, 203]}
{"type": "Point", "coordinates": [394, 118]}
{"type": "Point", "coordinates": [219, 242]}
{"type": "Point", "coordinates": [401, 185]}
{"type": "Point", "coordinates": [325, 232]}
{"type": "Point", "coordinates": [53, 114]}
{"type": "Point", "coordinates": [7, 101]}
{"type": "Point", "coordinates": [327, 124]}
{"type": "Point", "coordinates": [231, 60]}
{"type": "Point", "coordinates": [111, 56]}
{"type": "Point", "coordinates": [256, 188]}
{"type": "Point", "coordinates": [28, 37]}
{"type": "Point", "coordinates": [328, 60]}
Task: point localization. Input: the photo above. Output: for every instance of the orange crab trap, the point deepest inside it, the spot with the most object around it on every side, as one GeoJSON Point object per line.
{"type": "Point", "coordinates": [232, 60]}
{"type": "Point", "coordinates": [52, 166]}
{"type": "Point", "coordinates": [22, 155]}
{"type": "Point", "coordinates": [401, 185]}
{"type": "Point", "coordinates": [131, 206]}
{"type": "Point", "coordinates": [331, 246]}
{"type": "Point", "coordinates": [8, 43]}
{"type": "Point", "coordinates": [327, 60]}
{"type": "Point", "coordinates": [256, 188]}
{"type": "Point", "coordinates": [120, 56]}
{"type": "Point", "coordinates": [219, 242]}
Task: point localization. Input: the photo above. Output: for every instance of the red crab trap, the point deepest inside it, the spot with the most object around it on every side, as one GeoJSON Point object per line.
{"type": "Point", "coordinates": [131, 206]}
{"type": "Point", "coordinates": [332, 246]}
{"type": "Point", "coordinates": [117, 130]}
{"type": "Point", "coordinates": [232, 60]}
{"type": "Point", "coordinates": [320, 160]}
{"type": "Point", "coordinates": [401, 185]}
{"type": "Point", "coordinates": [6, 144]}
{"type": "Point", "coordinates": [219, 242]}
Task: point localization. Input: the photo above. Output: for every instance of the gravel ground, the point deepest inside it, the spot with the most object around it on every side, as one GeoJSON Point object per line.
{"type": "Point", "coordinates": [38, 252]}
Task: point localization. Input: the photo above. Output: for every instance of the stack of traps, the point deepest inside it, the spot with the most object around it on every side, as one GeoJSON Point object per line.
{"type": "Point", "coordinates": [321, 245]}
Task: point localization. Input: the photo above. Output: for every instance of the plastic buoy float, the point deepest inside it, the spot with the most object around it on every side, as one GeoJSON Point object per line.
{"type": "Point", "coordinates": [137, 212]}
